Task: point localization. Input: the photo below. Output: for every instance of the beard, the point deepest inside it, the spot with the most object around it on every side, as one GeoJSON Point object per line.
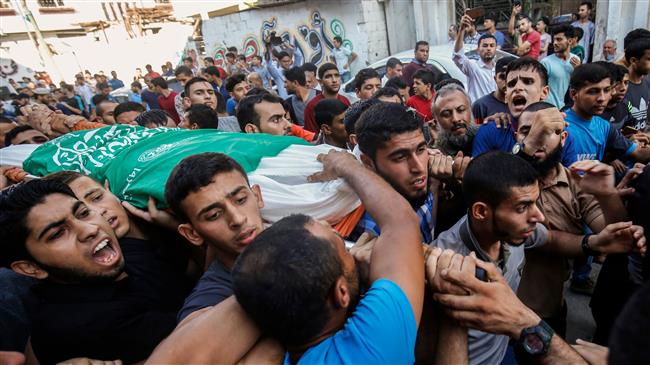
{"type": "Point", "coordinates": [450, 143]}
{"type": "Point", "coordinates": [355, 286]}
{"type": "Point", "coordinates": [414, 201]}
{"type": "Point", "coordinates": [543, 167]}
{"type": "Point", "coordinates": [77, 276]}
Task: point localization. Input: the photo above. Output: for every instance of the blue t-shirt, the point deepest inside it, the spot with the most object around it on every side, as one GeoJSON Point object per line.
{"type": "Point", "coordinates": [491, 138]}
{"type": "Point", "coordinates": [214, 287]}
{"type": "Point", "coordinates": [559, 73]}
{"type": "Point", "coordinates": [115, 84]}
{"type": "Point", "coordinates": [595, 137]}
{"type": "Point", "coordinates": [382, 330]}
{"type": "Point", "coordinates": [150, 98]}
{"type": "Point", "coordinates": [231, 104]}
{"type": "Point", "coordinates": [499, 36]}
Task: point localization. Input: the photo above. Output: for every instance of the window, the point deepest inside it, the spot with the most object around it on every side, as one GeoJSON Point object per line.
{"type": "Point", "coordinates": [51, 3]}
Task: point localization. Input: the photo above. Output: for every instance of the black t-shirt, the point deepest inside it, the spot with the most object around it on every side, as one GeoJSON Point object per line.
{"type": "Point", "coordinates": [119, 320]}
{"type": "Point", "coordinates": [486, 106]}
{"type": "Point", "coordinates": [214, 287]}
{"type": "Point", "coordinates": [621, 116]}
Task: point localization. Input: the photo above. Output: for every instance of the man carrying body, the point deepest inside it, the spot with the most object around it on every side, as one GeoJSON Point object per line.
{"type": "Point", "coordinates": [480, 74]}
{"type": "Point", "coordinates": [494, 102]}
{"type": "Point", "coordinates": [330, 81]}
{"type": "Point", "coordinates": [560, 65]}
{"type": "Point", "coordinates": [263, 113]}
{"type": "Point", "coordinates": [343, 57]}
{"type": "Point", "coordinates": [393, 69]}
{"type": "Point", "coordinates": [296, 85]}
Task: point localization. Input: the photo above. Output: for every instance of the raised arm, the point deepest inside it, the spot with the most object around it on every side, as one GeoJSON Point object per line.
{"type": "Point", "coordinates": [465, 22]}
{"type": "Point", "coordinates": [397, 255]}
{"type": "Point", "coordinates": [513, 18]}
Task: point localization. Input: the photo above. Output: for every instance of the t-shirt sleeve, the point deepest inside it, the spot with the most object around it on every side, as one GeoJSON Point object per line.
{"type": "Point", "coordinates": [382, 327]}
{"type": "Point", "coordinates": [569, 154]}
{"type": "Point", "coordinates": [477, 111]}
{"type": "Point", "coordinates": [483, 140]}
{"type": "Point", "coordinates": [214, 287]}
{"type": "Point", "coordinates": [618, 145]}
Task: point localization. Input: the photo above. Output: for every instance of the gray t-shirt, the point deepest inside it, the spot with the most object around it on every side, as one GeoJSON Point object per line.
{"type": "Point", "coordinates": [229, 124]}
{"type": "Point", "coordinates": [299, 107]}
{"type": "Point", "coordinates": [488, 348]}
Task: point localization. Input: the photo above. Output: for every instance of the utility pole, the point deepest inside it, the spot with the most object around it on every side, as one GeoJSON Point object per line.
{"type": "Point", "coordinates": [43, 50]}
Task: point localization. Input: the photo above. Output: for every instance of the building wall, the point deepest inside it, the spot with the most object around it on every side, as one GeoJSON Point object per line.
{"type": "Point", "coordinates": [309, 25]}
{"type": "Point", "coordinates": [615, 18]}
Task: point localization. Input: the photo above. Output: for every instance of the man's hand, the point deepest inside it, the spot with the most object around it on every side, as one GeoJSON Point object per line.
{"type": "Point", "coordinates": [460, 165]}
{"type": "Point", "coordinates": [621, 237]}
{"type": "Point", "coordinates": [594, 354]}
{"type": "Point", "coordinates": [362, 252]}
{"type": "Point", "coordinates": [516, 10]}
{"type": "Point", "coordinates": [594, 177]}
{"type": "Point", "coordinates": [500, 119]}
{"type": "Point", "coordinates": [641, 139]}
{"type": "Point", "coordinates": [618, 166]}
{"type": "Point", "coordinates": [575, 61]}
{"type": "Point", "coordinates": [438, 262]}
{"type": "Point", "coordinates": [153, 215]}
{"type": "Point", "coordinates": [623, 187]}
{"type": "Point", "coordinates": [441, 166]}
{"type": "Point", "coordinates": [490, 306]}
{"type": "Point", "coordinates": [547, 122]}
{"type": "Point", "coordinates": [465, 22]}
{"type": "Point", "coordinates": [334, 162]}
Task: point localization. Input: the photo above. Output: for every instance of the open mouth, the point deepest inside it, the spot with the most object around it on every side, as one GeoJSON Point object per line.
{"type": "Point", "coordinates": [104, 253]}
{"type": "Point", "coordinates": [419, 183]}
{"type": "Point", "coordinates": [247, 237]}
{"type": "Point", "coordinates": [519, 103]}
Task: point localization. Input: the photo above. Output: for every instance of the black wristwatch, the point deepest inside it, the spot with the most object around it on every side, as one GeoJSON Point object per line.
{"type": "Point", "coordinates": [588, 251]}
{"type": "Point", "coordinates": [536, 340]}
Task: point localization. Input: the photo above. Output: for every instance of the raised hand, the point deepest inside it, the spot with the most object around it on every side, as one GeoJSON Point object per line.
{"type": "Point", "coordinates": [594, 177]}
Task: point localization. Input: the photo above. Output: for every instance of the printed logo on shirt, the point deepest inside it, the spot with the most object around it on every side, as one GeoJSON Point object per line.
{"type": "Point", "coordinates": [586, 156]}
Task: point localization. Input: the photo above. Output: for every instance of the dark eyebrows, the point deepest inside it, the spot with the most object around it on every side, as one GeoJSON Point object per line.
{"type": "Point", "coordinates": [219, 204]}
{"type": "Point", "coordinates": [52, 225]}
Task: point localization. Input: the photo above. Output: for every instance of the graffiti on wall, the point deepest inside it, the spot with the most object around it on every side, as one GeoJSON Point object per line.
{"type": "Point", "coordinates": [312, 39]}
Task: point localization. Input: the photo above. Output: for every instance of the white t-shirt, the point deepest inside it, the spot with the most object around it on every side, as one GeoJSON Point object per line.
{"type": "Point", "coordinates": [341, 56]}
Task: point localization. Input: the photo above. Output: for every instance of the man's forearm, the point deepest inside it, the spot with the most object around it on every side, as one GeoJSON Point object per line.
{"type": "Point", "coordinates": [612, 207]}
{"type": "Point", "coordinates": [564, 244]}
{"type": "Point", "coordinates": [559, 352]}
{"type": "Point", "coordinates": [641, 154]}
{"type": "Point", "coordinates": [458, 45]}
{"type": "Point", "coordinates": [231, 332]}
{"type": "Point", "coordinates": [452, 343]}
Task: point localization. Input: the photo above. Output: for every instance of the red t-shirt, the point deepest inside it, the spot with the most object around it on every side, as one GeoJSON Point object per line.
{"type": "Point", "coordinates": [535, 40]}
{"type": "Point", "coordinates": [167, 104]}
{"type": "Point", "coordinates": [422, 106]}
{"type": "Point", "coordinates": [153, 74]}
{"type": "Point", "coordinates": [310, 119]}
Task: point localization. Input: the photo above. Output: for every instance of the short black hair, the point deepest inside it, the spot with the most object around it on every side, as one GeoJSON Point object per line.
{"type": "Point", "coordinates": [103, 85]}
{"type": "Point", "coordinates": [282, 55]}
{"type": "Point", "coordinates": [396, 82]}
{"type": "Point", "coordinates": [420, 43]}
{"type": "Point", "coordinates": [426, 76]}
{"type": "Point", "coordinates": [353, 113]}
{"type": "Point", "coordinates": [537, 106]}
{"type": "Point", "coordinates": [15, 205]}
{"type": "Point", "coordinates": [128, 106]}
{"type": "Point", "coordinates": [490, 177]}
{"type": "Point", "coordinates": [327, 66]}
{"type": "Point", "coordinates": [14, 132]}
{"type": "Point", "coordinates": [283, 279]}
{"type": "Point", "coordinates": [393, 62]}
{"type": "Point", "coordinates": [209, 60]}
{"type": "Point", "coordinates": [230, 55]}
{"type": "Point", "coordinates": [635, 34]}
{"type": "Point", "coordinates": [382, 122]}
{"type": "Point", "coordinates": [525, 17]}
{"type": "Point", "coordinates": [326, 109]}
{"type": "Point", "coordinates": [486, 36]}
{"type": "Point", "coordinates": [613, 70]}
{"type": "Point", "coordinates": [212, 70]}
{"type": "Point", "coordinates": [183, 70]}
{"type": "Point", "coordinates": [155, 116]}
{"type": "Point", "coordinates": [233, 80]}
{"type": "Point", "coordinates": [221, 103]}
{"type": "Point", "coordinates": [637, 49]}
{"type": "Point", "coordinates": [491, 17]}
{"type": "Point", "coordinates": [297, 74]}
{"type": "Point", "coordinates": [565, 29]}
{"type": "Point", "coordinates": [586, 74]}
{"type": "Point", "coordinates": [258, 57]}
{"type": "Point", "coordinates": [232, 49]}
{"type": "Point", "coordinates": [502, 63]}
{"type": "Point", "coordinates": [190, 82]}
{"type": "Point", "coordinates": [246, 109]}
{"type": "Point", "coordinates": [136, 84]}
{"type": "Point", "coordinates": [160, 82]}
{"type": "Point", "coordinates": [338, 39]}
{"type": "Point", "coordinates": [309, 67]}
{"type": "Point", "coordinates": [257, 91]}
{"type": "Point", "coordinates": [578, 33]}
{"type": "Point", "coordinates": [387, 91]}
{"type": "Point", "coordinates": [188, 59]}
{"type": "Point", "coordinates": [193, 173]}
{"type": "Point", "coordinates": [529, 63]}
{"type": "Point", "coordinates": [204, 116]}
{"type": "Point", "coordinates": [588, 4]}
{"type": "Point", "coordinates": [363, 76]}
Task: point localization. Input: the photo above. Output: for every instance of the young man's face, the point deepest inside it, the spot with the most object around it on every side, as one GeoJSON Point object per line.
{"type": "Point", "coordinates": [336, 131]}
{"type": "Point", "coordinates": [453, 112]}
{"type": "Point", "coordinates": [642, 66]}
{"type": "Point", "coordinates": [239, 91]}
{"type": "Point", "coordinates": [524, 26]}
{"type": "Point", "coordinates": [500, 79]}
{"type": "Point", "coordinates": [30, 136]}
{"type": "Point", "coordinates": [394, 72]}
{"type": "Point", "coordinates": [420, 88]}
{"type": "Point", "coordinates": [256, 62]}
{"type": "Point", "coordinates": [72, 243]}
{"type": "Point", "coordinates": [560, 43]}
{"type": "Point", "coordinates": [405, 92]}
{"type": "Point", "coordinates": [128, 117]}
{"type": "Point", "coordinates": [422, 53]}
{"type": "Point", "coordinates": [272, 120]}
{"type": "Point", "coordinates": [103, 202]}
{"type": "Point", "coordinates": [337, 44]}
{"type": "Point", "coordinates": [524, 87]}
{"type": "Point", "coordinates": [331, 81]}
{"type": "Point", "coordinates": [202, 93]}
{"type": "Point", "coordinates": [369, 88]}
{"type": "Point", "coordinates": [619, 90]}
{"type": "Point", "coordinates": [108, 109]}
{"type": "Point", "coordinates": [183, 79]}
{"type": "Point", "coordinates": [488, 24]}
{"type": "Point", "coordinates": [516, 218]}
{"type": "Point", "coordinates": [584, 12]}
{"type": "Point", "coordinates": [286, 62]}
{"type": "Point", "coordinates": [224, 214]}
{"type": "Point", "coordinates": [593, 98]}
{"type": "Point", "coordinates": [188, 63]}
{"type": "Point", "coordinates": [310, 78]}
{"type": "Point", "coordinates": [403, 162]}
{"type": "Point", "coordinates": [487, 49]}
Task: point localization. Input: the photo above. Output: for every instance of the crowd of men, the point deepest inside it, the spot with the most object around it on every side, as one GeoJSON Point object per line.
{"type": "Point", "coordinates": [479, 202]}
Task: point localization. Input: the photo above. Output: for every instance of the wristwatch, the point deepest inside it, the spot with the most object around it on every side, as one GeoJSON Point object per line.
{"type": "Point", "coordinates": [518, 147]}
{"type": "Point", "coordinates": [536, 340]}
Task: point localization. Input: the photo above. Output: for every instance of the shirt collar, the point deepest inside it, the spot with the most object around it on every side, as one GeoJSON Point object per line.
{"type": "Point", "coordinates": [416, 61]}
{"type": "Point", "coordinates": [561, 178]}
{"type": "Point", "coordinates": [504, 251]}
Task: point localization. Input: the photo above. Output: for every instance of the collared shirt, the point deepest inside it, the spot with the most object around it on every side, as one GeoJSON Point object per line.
{"type": "Point", "coordinates": [472, 39]}
{"type": "Point", "coordinates": [589, 33]}
{"type": "Point", "coordinates": [568, 209]}
{"type": "Point", "coordinates": [487, 348]}
{"type": "Point", "coordinates": [480, 77]}
{"type": "Point", "coordinates": [264, 75]}
{"type": "Point", "coordinates": [342, 58]}
{"type": "Point", "coordinates": [425, 214]}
